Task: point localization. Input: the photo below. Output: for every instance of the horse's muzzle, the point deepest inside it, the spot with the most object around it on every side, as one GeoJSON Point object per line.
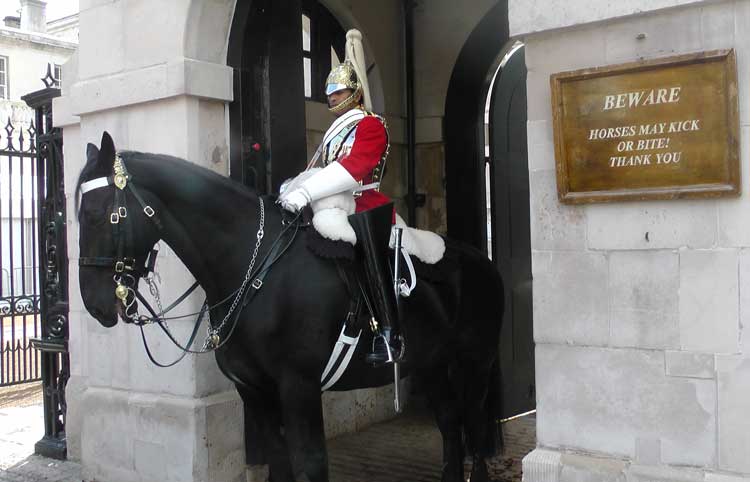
{"type": "Point", "coordinates": [108, 321]}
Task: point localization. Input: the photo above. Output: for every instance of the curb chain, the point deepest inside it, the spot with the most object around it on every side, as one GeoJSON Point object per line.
{"type": "Point", "coordinates": [212, 334]}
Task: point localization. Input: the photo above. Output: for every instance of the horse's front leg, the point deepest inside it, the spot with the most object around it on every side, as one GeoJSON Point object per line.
{"type": "Point", "coordinates": [302, 416]}
{"type": "Point", "coordinates": [264, 444]}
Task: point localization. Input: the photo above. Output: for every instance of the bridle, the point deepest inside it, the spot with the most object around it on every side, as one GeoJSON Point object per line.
{"type": "Point", "coordinates": [129, 268]}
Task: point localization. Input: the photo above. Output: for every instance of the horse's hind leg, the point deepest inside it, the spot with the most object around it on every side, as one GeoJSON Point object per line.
{"type": "Point", "coordinates": [264, 444]}
{"type": "Point", "coordinates": [302, 415]}
{"type": "Point", "coordinates": [479, 416]}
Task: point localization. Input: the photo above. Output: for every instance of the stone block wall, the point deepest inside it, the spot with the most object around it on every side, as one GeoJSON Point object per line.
{"type": "Point", "coordinates": [640, 308]}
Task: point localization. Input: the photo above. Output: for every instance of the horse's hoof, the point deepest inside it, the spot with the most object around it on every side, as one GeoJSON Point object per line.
{"type": "Point", "coordinates": [452, 474]}
{"type": "Point", "coordinates": [479, 471]}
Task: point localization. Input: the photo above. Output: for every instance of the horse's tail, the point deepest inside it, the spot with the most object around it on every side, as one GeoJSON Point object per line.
{"type": "Point", "coordinates": [495, 399]}
{"type": "Point", "coordinates": [493, 409]}
{"type": "Point", "coordinates": [495, 441]}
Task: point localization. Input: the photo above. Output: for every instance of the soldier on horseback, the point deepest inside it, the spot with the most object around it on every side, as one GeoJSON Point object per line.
{"type": "Point", "coordinates": [353, 155]}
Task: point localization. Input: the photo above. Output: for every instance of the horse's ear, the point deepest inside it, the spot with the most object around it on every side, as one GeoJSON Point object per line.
{"type": "Point", "coordinates": [92, 152]}
{"type": "Point", "coordinates": [107, 150]}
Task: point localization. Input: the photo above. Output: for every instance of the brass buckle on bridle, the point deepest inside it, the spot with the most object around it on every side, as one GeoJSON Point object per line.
{"type": "Point", "coordinates": [127, 264]}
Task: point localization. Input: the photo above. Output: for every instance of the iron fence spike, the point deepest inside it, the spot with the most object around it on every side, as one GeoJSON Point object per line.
{"type": "Point", "coordinates": [49, 79]}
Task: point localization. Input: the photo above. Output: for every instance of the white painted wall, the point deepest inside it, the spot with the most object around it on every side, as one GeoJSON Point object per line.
{"type": "Point", "coordinates": [28, 55]}
{"type": "Point", "coordinates": [642, 359]}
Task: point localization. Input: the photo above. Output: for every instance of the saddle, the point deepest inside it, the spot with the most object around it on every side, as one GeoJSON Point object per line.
{"type": "Point", "coordinates": [330, 220]}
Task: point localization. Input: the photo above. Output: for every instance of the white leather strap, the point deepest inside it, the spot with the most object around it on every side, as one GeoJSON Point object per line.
{"type": "Point", "coordinates": [340, 123]}
{"type": "Point", "coordinates": [404, 288]}
{"type": "Point", "coordinates": [344, 342]}
{"type": "Point", "coordinates": [346, 120]}
{"type": "Point", "coordinates": [367, 187]}
{"type": "Point", "coordinates": [94, 184]}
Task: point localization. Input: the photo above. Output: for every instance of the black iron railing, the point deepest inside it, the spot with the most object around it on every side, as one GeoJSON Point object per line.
{"type": "Point", "coordinates": [19, 281]}
{"type": "Point", "coordinates": [53, 272]}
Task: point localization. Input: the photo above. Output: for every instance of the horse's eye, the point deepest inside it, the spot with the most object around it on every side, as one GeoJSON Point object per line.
{"type": "Point", "coordinates": [95, 215]}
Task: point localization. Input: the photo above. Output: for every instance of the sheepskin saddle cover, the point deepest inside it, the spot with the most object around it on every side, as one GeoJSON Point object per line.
{"type": "Point", "coordinates": [330, 221]}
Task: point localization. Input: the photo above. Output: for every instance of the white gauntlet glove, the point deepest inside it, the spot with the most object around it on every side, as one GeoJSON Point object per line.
{"type": "Point", "coordinates": [332, 179]}
{"type": "Point", "coordinates": [294, 201]}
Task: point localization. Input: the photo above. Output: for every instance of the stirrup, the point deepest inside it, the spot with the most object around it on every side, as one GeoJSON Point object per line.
{"type": "Point", "coordinates": [389, 355]}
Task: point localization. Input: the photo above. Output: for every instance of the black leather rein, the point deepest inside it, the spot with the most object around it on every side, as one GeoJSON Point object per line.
{"type": "Point", "coordinates": [128, 269]}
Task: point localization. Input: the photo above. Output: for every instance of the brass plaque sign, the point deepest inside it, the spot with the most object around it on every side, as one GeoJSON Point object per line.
{"type": "Point", "coordinates": [656, 129]}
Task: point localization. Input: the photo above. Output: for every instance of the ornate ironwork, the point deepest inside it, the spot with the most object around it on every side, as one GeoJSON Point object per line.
{"type": "Point", "coordinates": [19, 295]}
{"type": "Point", "coordinates": [53, 271]}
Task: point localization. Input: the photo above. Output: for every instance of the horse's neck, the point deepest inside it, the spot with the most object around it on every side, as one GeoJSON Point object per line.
{"type": "Point", "coordinates": [208, 226]}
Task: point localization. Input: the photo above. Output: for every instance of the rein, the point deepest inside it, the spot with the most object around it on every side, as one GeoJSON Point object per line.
{"type": "Point", "coordinates": [128, 269]}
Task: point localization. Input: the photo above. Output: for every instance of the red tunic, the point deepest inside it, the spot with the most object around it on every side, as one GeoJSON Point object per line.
{"type": "Point", "coordinates": [369, 144]}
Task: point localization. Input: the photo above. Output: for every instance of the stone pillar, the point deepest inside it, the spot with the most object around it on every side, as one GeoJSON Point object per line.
{"type": "Point", "coordinates": [129, 420]}
{"type": "Point", "coordinates": [642, 364]}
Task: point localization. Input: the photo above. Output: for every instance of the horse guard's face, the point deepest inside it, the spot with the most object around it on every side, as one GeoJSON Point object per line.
{"type": "Point", "coordinates": [96, 235]}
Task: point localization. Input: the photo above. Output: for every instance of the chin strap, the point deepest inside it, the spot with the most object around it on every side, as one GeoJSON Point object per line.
{"type": "Point", "coordinates": [350, 102]}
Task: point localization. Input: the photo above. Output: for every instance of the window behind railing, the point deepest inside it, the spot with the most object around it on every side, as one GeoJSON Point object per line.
{"type": "Point", "coordinates": [4, 83]}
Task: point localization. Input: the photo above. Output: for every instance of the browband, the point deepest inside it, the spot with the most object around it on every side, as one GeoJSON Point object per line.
{"type": "Point", "coordinates": [95, 184]}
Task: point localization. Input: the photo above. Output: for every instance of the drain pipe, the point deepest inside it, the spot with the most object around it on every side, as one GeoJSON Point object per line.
{"type": "Point", "coordinates": [411, 183]}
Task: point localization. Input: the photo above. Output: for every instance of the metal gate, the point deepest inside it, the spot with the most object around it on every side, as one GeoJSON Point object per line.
{"type": "Point", "coordinates": [52, 342]}
{"type": "Point", "coordinates": [34, 263]}
{"type": "Point", "coordinates": [19, 280]}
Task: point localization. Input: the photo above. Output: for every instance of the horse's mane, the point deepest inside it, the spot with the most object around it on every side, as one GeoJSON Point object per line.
{"type": "Point", "coordinates": [166, 166]}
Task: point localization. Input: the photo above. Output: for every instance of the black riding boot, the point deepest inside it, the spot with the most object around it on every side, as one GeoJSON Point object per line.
{"type": "Point", "coordinates": [373, 229]}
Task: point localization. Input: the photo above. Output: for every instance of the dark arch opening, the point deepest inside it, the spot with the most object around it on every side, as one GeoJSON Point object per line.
{"type": "Point", "coordinates": [464, 127]}
{"type": "Point", "coordinates": [265, 45]}
{"type": "Point", "coordinates": [467, 180]}
{"type": "Point", "coordinates": [273, 68]}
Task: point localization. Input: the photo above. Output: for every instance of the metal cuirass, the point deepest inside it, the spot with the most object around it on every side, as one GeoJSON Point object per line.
{"type": "Point", "coordinates": [341, 145]}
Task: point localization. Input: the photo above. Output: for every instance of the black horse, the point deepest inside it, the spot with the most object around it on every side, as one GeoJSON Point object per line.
{"type": "Point", "coordinates": [284, 336]}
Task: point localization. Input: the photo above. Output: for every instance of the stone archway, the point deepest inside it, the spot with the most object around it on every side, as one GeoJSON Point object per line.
{"type": "Point", "coordinates": [207, 27]}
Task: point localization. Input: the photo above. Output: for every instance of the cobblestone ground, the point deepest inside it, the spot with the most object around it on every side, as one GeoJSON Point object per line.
{"type": "Point", "coordinates": [407, 449]}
